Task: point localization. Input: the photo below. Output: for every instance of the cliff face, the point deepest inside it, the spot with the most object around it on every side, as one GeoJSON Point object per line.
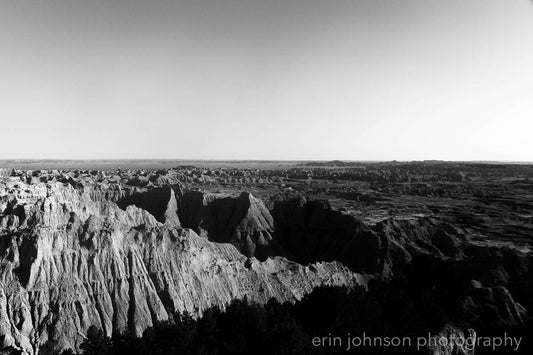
{"type": "Point", "coordinates": [310, 230]}
{"type": "Point", "coordinates": [489, 283]}
{"type": "Point", "coordinates": [243, 221]}
{"type": "Point", "coordinates": [122, 256]}
{"type": "Point", "coordinates": [70, 258]}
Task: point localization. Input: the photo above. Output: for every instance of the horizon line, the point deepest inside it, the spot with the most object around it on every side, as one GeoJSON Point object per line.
{"type": "Point", "coordinates": [260, 160]}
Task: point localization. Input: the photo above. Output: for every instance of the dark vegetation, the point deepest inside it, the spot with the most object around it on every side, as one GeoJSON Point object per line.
{"type": "Point", "coordinates": [385, 310]}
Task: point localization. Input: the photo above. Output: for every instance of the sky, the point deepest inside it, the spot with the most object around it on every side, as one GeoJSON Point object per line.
{"type": "Point", "coordinates": [266, 79]}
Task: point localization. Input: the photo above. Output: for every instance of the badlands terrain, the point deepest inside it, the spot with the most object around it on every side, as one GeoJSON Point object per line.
{"type": "Point", "coordinates": [124, 246]}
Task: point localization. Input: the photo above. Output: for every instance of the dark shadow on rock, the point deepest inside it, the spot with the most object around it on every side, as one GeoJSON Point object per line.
{"type": "Point", "coordinates": [159, 202]}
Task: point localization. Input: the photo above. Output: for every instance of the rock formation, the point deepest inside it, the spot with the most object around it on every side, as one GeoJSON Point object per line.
{"type": "Point", "coordinates": [124, 250]}
{"type": "Point", "coordinates": [243, 221]}
{"type": "Point", "coordinates": [69, 261]}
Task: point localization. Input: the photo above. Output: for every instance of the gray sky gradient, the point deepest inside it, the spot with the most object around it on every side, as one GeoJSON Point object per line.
{"type": "Point", "coordinates": [267, 79]}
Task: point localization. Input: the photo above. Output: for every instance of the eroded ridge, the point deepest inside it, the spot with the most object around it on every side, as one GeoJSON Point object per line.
{"type": "Point", "coordinates": [70, 260]}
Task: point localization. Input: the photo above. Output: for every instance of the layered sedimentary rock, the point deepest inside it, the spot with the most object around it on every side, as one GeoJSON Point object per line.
{"type": "Point", "coordinates": [69, 261]}
{"type": "Point", "coordinates": [243, 221]}
{"type": "Point", "coordinates": [310, 230]}
{"type": "Point", "coordinates": [427, 254]}
{"type": "Point", "coordinates": [124, 251]}
{"type": "Point", "coordinates": [160, 202]}
{"type": "Point", "coordinates": [5, 172]}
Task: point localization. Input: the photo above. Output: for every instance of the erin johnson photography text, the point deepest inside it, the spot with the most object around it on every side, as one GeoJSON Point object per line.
{"type": "Point", "coordinates": [350, 342]}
